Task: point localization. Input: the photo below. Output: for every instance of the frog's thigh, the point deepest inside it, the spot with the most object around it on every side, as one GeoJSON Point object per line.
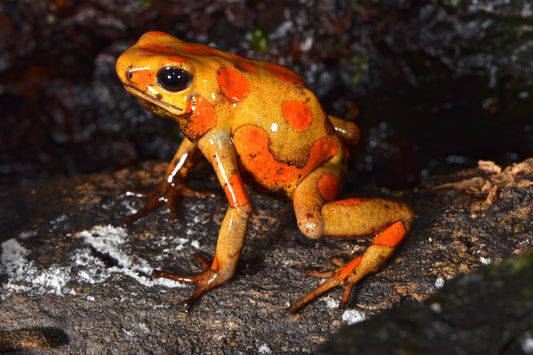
{"type": "Point", "coordinates": [319, 187]}
{"type": "Point", "coordinates": [318, 215]}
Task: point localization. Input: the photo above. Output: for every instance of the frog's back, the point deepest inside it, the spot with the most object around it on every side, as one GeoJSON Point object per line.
{"type": "Point", "coordinates": [280, 131]}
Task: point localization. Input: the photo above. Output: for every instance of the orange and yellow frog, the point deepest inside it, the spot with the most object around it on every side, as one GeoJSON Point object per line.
{"type": "Point", "coordinates": [259, 126]}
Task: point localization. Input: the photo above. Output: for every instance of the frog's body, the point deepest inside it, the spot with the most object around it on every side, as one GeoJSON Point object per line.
{"type": "Point", "coordinates": [258, 125]}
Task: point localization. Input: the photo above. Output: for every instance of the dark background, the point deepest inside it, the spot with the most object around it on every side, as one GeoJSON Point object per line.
{"type": "Point", "coordinates": [434, 85]}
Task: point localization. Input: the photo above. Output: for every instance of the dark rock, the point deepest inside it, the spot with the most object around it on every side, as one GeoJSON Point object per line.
{"type": "Point", "coordinates": [489, 311]}
{"type": "Point", "coordinates": [66, 264]}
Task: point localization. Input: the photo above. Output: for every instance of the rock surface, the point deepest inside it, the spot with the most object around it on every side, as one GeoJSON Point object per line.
{"type": "Point", "coordinates": [489, 311]}
{"type": "Point", "coordinates": [70, 273]}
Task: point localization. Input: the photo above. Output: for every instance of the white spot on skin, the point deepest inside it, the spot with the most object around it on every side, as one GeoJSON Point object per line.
{"type": "Point", "coordinates": [274, 127]}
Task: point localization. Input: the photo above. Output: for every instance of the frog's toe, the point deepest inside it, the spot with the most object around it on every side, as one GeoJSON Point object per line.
{"type": "Point", "coordinates": [204, 281]}
{"type": "Point", "coordinates": [165, 193]}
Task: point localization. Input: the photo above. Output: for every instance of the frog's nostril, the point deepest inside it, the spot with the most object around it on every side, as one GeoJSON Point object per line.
{"type": "Point", "coordinates": [129, 75]}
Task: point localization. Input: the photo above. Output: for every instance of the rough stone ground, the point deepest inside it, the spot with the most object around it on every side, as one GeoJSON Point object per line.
{"type": "Point", "coordinates": [69, 271]}
{"type": "Point", "coordinates": [460, 320]}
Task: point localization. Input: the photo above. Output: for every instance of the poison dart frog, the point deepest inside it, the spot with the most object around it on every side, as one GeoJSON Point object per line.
{"type": "Point", "coordinates": [259, 126]}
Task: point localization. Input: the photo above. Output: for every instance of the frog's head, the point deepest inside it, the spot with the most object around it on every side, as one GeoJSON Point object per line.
{"type": "Point", "coordinates": [163, 73]}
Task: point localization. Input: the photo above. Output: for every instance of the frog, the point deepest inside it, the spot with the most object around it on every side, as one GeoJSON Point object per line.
{"type": "Point", "coordinates": [260, 127]}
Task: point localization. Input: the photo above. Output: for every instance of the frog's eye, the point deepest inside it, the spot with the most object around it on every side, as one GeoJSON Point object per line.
{"type": "Point", "coordinates": [173, 79]}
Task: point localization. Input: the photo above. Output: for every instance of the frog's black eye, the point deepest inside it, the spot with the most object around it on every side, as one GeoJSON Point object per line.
{"type": "Point", "coordinates": [173, 79]}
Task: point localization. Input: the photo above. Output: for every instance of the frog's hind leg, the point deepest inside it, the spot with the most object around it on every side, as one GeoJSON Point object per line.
{"type": "Point", "coordinates": [389, 221]}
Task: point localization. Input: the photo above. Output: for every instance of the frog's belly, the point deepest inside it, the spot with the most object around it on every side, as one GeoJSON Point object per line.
{"type": "Point", "coordinates": [260, 168]}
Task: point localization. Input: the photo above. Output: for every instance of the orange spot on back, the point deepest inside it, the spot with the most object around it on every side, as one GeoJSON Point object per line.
{"type": "Point", "coordinates": [249, 67]}
{"type": "Point", "coordinates": [233, 84]}
{"type": "Point", "coordinates": [201, 119]}
{"type": "Point", "coordinates": [284, 74]}
{"type": "Point", "coordinates": [177, 59]}
{"type": "Point", "coordinates": [236, 56]}
{"type": "Point", "coordinates": [260, 166]}
{"type": "Point", "coordinates": [351, 201]}
{"type": "Point", "coordinates": [199, 49]}
{"type": "Point", "coordinates": [156, 49]}
{"type": "Point", "coordinates": [328, 185]}
{"type": "Point", "coordinates": [392, 236]}
{"type": "Point", "coordinates": [235, 191]}
{"type": "Point", "coordinates": [297, 114]}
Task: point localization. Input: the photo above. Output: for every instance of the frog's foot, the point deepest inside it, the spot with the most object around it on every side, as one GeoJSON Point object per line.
{"type": "Point", "coordinates": [347, 275]}
{"type": "Point", "coordinates": [204, 281]}
{"type": "Point", "coordinates": [165, 193]}
{"type": "Point", "coordinates": [325, 274]}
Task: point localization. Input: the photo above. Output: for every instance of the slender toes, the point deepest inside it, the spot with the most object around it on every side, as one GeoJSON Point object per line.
{"type": "Point", "coordinates": [190, 192]}
{"type": "Point", "coordinates": [157, 274]}
{"type": "Point", "coordinates": [134, 193]}
{"type": "Point", "coordinates": [316, 273]}
{"type": "Point", "coordinates": [200, 260]}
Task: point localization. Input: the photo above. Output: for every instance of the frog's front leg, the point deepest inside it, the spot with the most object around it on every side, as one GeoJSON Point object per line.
{"type": "Point", "coordinates": [232, 233]}
{"type": "Point", "coordinates": [230, 242]}
{"type": "Point", "coordinates": [170, 190]}
{"type": "Point", "coordinates": [319, 215]}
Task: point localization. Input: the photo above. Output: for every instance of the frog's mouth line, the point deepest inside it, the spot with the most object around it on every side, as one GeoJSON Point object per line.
{"type": "Point", "coordinates": [151, 103]}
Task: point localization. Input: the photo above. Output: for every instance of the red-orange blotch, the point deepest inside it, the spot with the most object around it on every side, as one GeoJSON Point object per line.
{"type": "Point", "coordinates": [214, 266]}
{"type": "Point", "coordinates": [350, 267]}
{"type": "Point", "coordinates": [297, 114]}
{"type": "Point", "coordinates": [392, 236]}
{"type": "Point", "coordinates": [328, 185]}
{"type": "Point", "coordinates": [284, 74]}
{"type": "Point", "coordinates": [235, 191]}
{"type": "Point", "coordinates": [141, 78]}
{"type": "Point", "coordinates": [252, 145]}
{"type": "Point", "coordinates": [156, 49]}
{"type": "Point", "coordinates": [202, 118]}
{"type": "Point", "coordinates": [177, 59]}
{"type": "Point", "coordinates": [352, 201]}
{"type": "Point", "coordinates": [232, 84]}
{"type": "Point", "coordinates": [199, 49]}
{"type": "Point", "coordinates": [249, 67]}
